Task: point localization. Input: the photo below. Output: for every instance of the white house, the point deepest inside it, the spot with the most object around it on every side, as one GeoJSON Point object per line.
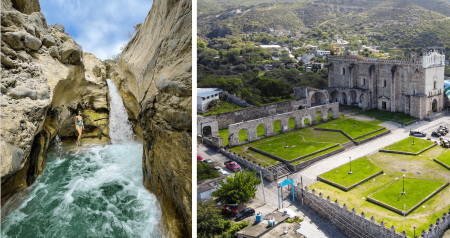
{"type": "Point", "coordinates": [268, 67]}
{"type": "Point", "coordinates": [351, 52]}
{"type": "Point", "coordinates": [324, 53]}
{"type": "Point", "coordinates": [206, 95]}
{"type": "Point", "coordinates": [206, 188]}
{"type": "Point", "coordinates": [269, 46]}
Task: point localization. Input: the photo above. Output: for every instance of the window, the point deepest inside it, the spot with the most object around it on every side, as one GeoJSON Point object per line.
{"type": "Point", "coordinates": [383, 105]}
{"type": "Point", "coordinates": [343, 71]}
{"type": "Point", "coordinates": [435, 85]}
{"type": "Point", "coordinates": [364, 81]}
{"type": "Point", "coordinates": [384, 82]}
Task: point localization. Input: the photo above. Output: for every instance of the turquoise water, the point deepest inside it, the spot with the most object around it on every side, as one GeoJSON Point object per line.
{"type": "Point", "coordinates": [95, 191]}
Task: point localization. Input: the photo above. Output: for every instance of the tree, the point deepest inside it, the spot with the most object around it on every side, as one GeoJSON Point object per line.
{"type": "Point", "coordinates": [200, 46]}
{"type": "Point", "coordinates": [233, 85]}
{"type": "Point", "coordinates": [239, 188]}
{"type": "Point", "coordinates": [135, 29]}
{"type": "Point", "coordinates": [209, 220]}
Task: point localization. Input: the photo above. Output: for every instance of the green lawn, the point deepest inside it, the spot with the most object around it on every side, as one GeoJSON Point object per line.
{"type": "Point", "coordinates": [346, 125]}
{"type": "Point", "coordinates": [371, 135]}
{"type": "Point", "coordinates": [394, 166]}
{"type": "Point", "coordinates": [223, 107]}
{"type": "Point", "coordinates": [291, 123]}
{"type": "Point", "coordinates": [416, 190]}
{"type": "Point", "coordinates": [297, 147]}
{"type": "Point", "coordinates": [242, 135]}
{"type": "Point", "coordinates": [276, 126]}
{"type": "Point", "coordinates": [316, 155]}
{"type": "Point", "coordinates": [445, 158]}
{"type": "Point", "coordinates": [362, 168]}
{"type": "Point", "coordinates": [407, 146]}
{"type": "Point", "coordinates": [386, 116]}
{"type": "Point", "coordinates": [254, 156]}
{"type": "Point", "coordinates": [224, 134]}
{"type": "Point", "coordinates": [260, 130]}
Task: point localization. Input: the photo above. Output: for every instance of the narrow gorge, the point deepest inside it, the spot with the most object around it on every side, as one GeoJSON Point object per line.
{"type": "Point", "coordinates": [145, 142]}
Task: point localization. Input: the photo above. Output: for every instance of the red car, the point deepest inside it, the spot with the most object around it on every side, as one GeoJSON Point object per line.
{"type": "Point", "coordinates": [199, 158]}
{"type": "Point", "coordinates": [232, 165]}
{"type": "Point", "coordinates": [229, 210]}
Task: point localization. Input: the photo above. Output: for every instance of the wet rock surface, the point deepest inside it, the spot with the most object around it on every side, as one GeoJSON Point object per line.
{"type": "Point", "coordinates": [41, 92]}
{"type": "Point", "coordinates": [154, 79]}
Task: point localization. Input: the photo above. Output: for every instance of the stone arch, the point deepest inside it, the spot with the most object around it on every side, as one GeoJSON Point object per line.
{"type": "Point", "coordinates": [343, 98]}
{"type": "Point", "coordinates": [330, 113]}
{"type": "Point", "coordinates": [301, 107]}
{"type": "Point", "coordinates": [243, 135]}
{"type": "Point", "coordinates": [434, 105]}
{"type": "Point", "coordinates": [276, 126]}
{"type": "Point", "coordinates": [318, 98]}
{"type": "Point", "coordinates": [334, 96]}
{"type": "Point", "coordinates": [352, 95]}
{"type": "Point", "coordinates": [318, 116]}
{"type": "Point", "coordinates": [361, 100]}
{"type": "Point", "coordinates": [292, 123]}
{"type": "Point", "coordinates": [206, 131]}
{"type": "Point", "coordinates": [306, 120]}
{"type": "Point", "coordinates": [261, 130]}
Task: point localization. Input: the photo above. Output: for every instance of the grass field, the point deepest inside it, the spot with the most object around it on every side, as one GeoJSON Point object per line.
{"type": "Point", "coordinates": [379, 115]}
{"type": "Point", "coordinates": [371, 135]}
{"type": "Point", "coordinates": [362, 168]}
{"type": "Point", "coordinates": [276, 126]}
{"type": "Point", "coordinates": [224, 134]}
{"type": "Point", "coordinates": [394, 166]}
{"type": "Point", "coordinates": [445, 158]}
{"type": "Point", "coordinates": [316, 155]}
{"type": "Point", "coordinates": [346, 125]}
{"type": "Point", "coordinates": [407, 146]}
{"type": "Point", "coordinates": [415, 191]}
{"type": "Point", "coordinates": [242, 135]}
{"type": "Point", "coordinates": [223, 107]}
{"type": "Point", "coordinates": [291, 123]}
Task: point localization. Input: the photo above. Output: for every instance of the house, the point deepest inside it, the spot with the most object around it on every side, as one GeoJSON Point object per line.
{"type": "Point", "coordinates": [351, 52]}
{"type": "Point", "coordinates": [323, 53]}
{"type": "Point", "coordinates": [275, 58]}
{"type": "Point", "coordinates": [206, 95]}
{"type": "Point", "coordinates": [270, 46]}
{"type": "Point", "coordinates": [306, 58]}
{"type": "Point", "coordinates": [291, 65]}
{"type": "Point", "coordinates": [263, 229]}
{"type": "Point", "coordinates": [267, 67]}
{"type": "Point", "coordinates": [207, 187]}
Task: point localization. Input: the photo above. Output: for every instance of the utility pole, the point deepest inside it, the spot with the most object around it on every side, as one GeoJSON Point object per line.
{"type": "Point", "coordinates": [262, 184]}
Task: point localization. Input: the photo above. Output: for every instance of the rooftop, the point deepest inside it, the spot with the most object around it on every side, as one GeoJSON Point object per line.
{"type": "Point", "coordinates": [207, 94]}
{"type": "Point", "coordinates": [258, 228]}
{"type": "Point", "coordinates": [203, 186]}
{"type": "Point", "coordinates": [201, 90]}
{"type": "Point", "coordinates": [269, 46]}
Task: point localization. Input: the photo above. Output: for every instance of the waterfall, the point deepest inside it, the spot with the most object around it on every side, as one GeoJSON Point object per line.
{"type": "Point", "coordinates": [120, 130]}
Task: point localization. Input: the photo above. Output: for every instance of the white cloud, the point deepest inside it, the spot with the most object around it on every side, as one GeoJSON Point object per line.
{"type": "Point", "coordinates": [100, 27]}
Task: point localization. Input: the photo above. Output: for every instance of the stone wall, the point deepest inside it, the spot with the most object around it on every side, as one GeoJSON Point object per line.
{"type": "Point", "coordinates": [236, 100]}
{"type": "Point", "coordinates": [307, 163]}
{"type": "Point", "coordinates": [203, 122]}
{"type": "Point", "coordinates": [407, 153]}
{"type": "Point", "coordinates": [299, 117]}
{"type": "Point", "coordinates": [253, 166]}
{"type": "Point", "coordinates": [357, 225]}
{"type": "Point", "coordinates": [253, 113]}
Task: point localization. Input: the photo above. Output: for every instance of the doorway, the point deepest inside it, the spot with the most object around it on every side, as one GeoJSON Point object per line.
{"type": "Point", "coordinates": [383, 105]}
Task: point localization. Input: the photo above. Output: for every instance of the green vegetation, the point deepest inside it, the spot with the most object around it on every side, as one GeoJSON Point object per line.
{"type": "Point", "coordinates": [223, 133]}
{"type": "Point", "coordinates": [243, 135]}
{"type": "Point", "coordinates": [394, 166]}
{"type": "Point", "coordinates": [292, 220]}
{"type": "Point", "coordinates": [254, 156]}
{"type": "Point", "coordinates": [416, 190]}
{"type": "Point", "coordinates": [210, 222]}
{"type": "Point", "coordinates": [206, 171]}
{"type": "Point", "coordinates": [276, 126]}
{"type": "Point", "coordinates": [387, 116]}
{"type": "Point", "coordinates": [260, 130]}
{"type": "Point", "coordinates": [371, 135]}
{"type": "Point", "coordinates": [316, 155]}
{"type": "Point", "coordinates": [346, 125]}
{"type": "Point", "coordinates": [445, 158]}
{"type": "Point", "coordinates": [291, 123]}
{"type": "Point", "coordinates": [223, 107]}
{"type": "Point", "coordinates": [296, 147]}
{"type": "Point", "coordinates": [406, 145]}
{"type": "Point", "coordinates": [238, 188]}
{"type": "Point", "coordinates": [362, 168]}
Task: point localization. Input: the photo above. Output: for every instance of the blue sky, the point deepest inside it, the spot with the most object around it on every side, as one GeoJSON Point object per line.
{"type": "Point", "coordinates": [100, 27]}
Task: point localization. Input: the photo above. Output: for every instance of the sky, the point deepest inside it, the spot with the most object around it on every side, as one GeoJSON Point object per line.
{"type": "Point", "coordinates": [100, 27]}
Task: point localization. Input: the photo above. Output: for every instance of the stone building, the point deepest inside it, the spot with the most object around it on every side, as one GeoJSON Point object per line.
{"type": "Point", "coordinates": [413, 87]}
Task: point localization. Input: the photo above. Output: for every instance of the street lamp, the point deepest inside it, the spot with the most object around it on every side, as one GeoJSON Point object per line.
{"type": "Point", "coordinates": [350, 172]}
{"type": "Point", "coordinates": [403, 184]}
{"type": "Point", "coordinates": [414, 231]}
{"type": "Point", "coordinates": [354, 120]}
{"type": "Point", "coordinates": [413, 140]}
{"type": "Point", "coordinates": [285, 136]}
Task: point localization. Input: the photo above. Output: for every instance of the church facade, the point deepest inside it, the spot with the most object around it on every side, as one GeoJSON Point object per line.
{"type": "Point", "coordinates": [414, 87]}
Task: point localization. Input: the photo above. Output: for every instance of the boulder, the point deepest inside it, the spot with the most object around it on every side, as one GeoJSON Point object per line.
{"type": "Point", "coordinates": [23, 56]}
{"type": "Point", "coordinates": [58, 27]}
{"type": "Point", "coordinates": [48, 41]}
{"type": "Point", "coordinates": [26, 6]}
{"type": "Point", "coordinates": [32, 42]}
{"type": "Point", "coordinates": [54, 51]}
{"type": "Point", "coordinates": [71, 53]}
{"type": "Point", "coordinates": [43, 94]}
{"type": "Point", "coordinates": [11, 159]}
{"type": "Point", "coordinates": [22, 92]}
{"type": "Point", "coordinates": [6, 61]}
{"type": "Point", "coordinates": [13, 40]}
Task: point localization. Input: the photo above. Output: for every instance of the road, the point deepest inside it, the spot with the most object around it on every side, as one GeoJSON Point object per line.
{"type": "Point", "coordinates": [315, 226]}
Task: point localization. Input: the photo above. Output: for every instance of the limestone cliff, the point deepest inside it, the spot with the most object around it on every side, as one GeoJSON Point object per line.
{"type": "Point", "coordinates": [154, 78]}
{"type": "Point", "coordinates": [45, 79]}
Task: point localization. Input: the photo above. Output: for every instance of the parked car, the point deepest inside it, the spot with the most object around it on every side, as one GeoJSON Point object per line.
{"type": "Point", "coordinates": [445, 143]}
{"type": "Point", "coordinates": [232, 165]}
{"type": "Point", "coordinates": [230, 210]}
{"type": "Point", "coordinates": [199, 158]}
{"type": "Point", "coordinates": [442, 132]}
{"type": "Point", "coordinates": [217, 168]}
{"type": "Point", "coordinates": [223, 172]}
{"type": "Point", "coordinates": [245, 213]}
{"type": "Point", "coordinates": [207, 161]}
{"type": "Point", "coordinates": [417, 134]}
{"type": "Point", "coordinates": [443, 128]}
{"type": "Point", "coordinates": [436, 134]}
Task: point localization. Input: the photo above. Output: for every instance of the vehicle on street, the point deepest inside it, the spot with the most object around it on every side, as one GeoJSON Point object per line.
{"type": "Point", "coordinates": [209, 161]}
{"type": "Point", "coordinates": [217, 168]}
{"type": "Point", "coordinates": [199, 158]}
{"type": "Point", "coordinates": [417, 134]}
{"type": "Point", "coordinates": [223, 172]}
{"type": "Point", "coordinates": [445, 143]}
{"type": "Point", "coordinates": [436, 134]}
{"type": "Point", "coordinates": [245, 213]}
{"type": "Point", "coordinates": [232, 165]}
{"type": "Point", "coordinates": [442, 132]}
{"type": "Point", "coordinates": [230, 210]}
{"type": "Point", "coordinates": [443, 128]}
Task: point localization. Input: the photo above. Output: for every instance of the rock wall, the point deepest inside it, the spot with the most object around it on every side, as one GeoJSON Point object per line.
{"type": "Point", "coordinates": [154, 79]}
{"type": "Point", "coordinates": [45, 80]}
